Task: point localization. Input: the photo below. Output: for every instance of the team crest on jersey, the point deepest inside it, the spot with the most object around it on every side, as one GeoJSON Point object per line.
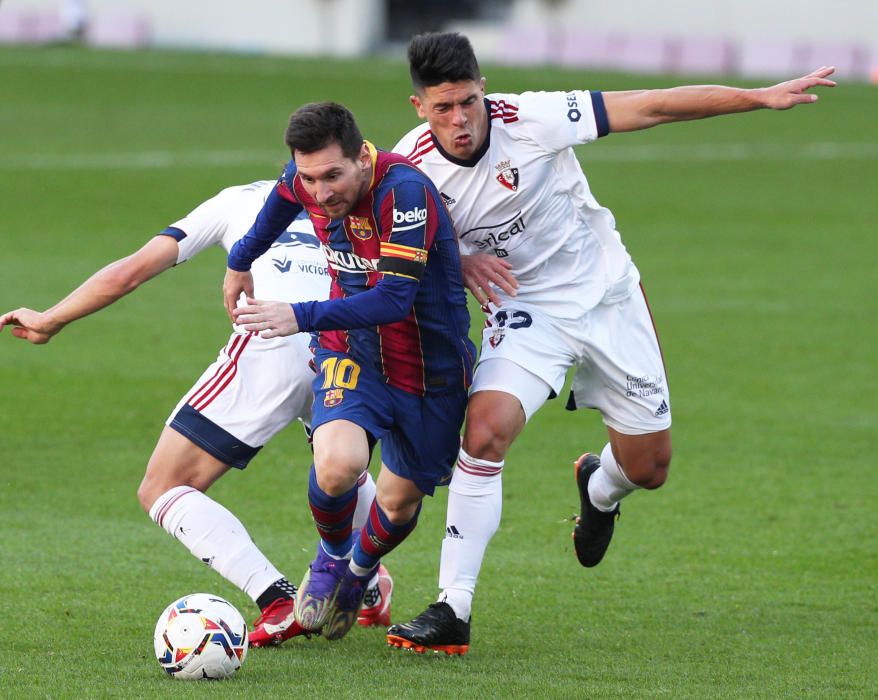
{"type": "Point", "coordinates": [497, 336]}
{"type": "Point", "coordinates": [361, 227]}
{"type": "Point", "coordinates": [507, 175]}
{"type": "Point", "coordinates": [333, 397]}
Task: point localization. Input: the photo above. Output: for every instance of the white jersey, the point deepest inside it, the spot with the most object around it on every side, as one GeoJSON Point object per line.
{"type": "Point", "coordinates": [523, 197]}
{"type": "Point", "coordinates": [257, 386]}
{"type": "Point", "coordinates": [293, 269]}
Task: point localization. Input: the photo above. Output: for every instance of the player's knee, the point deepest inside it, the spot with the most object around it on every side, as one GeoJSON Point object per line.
{"type": "Point", "coordinates": [650, 471]}
{"type": "Point", "coordinates": [487, 437]}
{"type": "Point", "coordinates": [337, 475]}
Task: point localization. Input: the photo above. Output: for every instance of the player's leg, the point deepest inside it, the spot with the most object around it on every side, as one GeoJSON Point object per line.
{"type": "Point", "coordinates": [254, 389]}
{"type": "Point", "coordinates": [341, 454]}
{"type": "Point", "coordinates": [173, 493]}
{"type": "Point", "coordinates": [625, 379]}
{"type": "Point", "coordinates": [379, 593]}
{"type": "Point", "coordinates": [475, 495]}
{"type": "Point", "coordinates": [523, 363]}
{"type": "Point", "coordinates": [493, 420]}
{"type": "Point", "coordinates": [392, 517]}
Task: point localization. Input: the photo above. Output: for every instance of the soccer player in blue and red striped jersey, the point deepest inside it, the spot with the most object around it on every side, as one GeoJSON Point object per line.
{"type": "Point", "coordinates": [391, 344]}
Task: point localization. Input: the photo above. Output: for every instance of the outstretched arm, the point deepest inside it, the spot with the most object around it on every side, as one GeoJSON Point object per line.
{"type": "Point", "coordinates": [100, 290]}
{"type": "Point", "coordinates": [641, 109]}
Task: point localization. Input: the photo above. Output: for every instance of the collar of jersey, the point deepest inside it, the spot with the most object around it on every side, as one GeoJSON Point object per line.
{"type": "Point", "coordinates": [477, 156]}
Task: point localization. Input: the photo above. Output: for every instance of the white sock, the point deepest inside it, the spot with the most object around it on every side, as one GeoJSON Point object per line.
{"type": "Point", "coordinates": [609, 485]}
{"type": "Point", "coordinates": [475, 503]}
{"type": "Point", "coordinates": [214, 535]}
{"type": "Point", "coordinates": [365, 496]}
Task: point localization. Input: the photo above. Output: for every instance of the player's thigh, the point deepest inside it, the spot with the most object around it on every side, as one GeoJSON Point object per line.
{"type": "Point", "coordinates": [505, 392]}
{"type": "Point", "coordinates": [622, 373]}
{"type": "Point", "coordinates": [424, 440]}
{"type": "Point", "coordinates": [527, 337]}
{"type": "Point", "coordinates": [254, 389]}
{"type": "Point", "coordinates": [177, 461]}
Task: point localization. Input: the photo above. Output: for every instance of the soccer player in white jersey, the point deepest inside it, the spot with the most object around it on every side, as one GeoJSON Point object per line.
{"type": "Point", "coordinates": [254, 389]}
{"type": "Point", "coordinates": [522, 206]}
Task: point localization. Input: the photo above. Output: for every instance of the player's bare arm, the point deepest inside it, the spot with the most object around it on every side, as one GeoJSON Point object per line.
{"type": "Point", "coordinates": [483, 274]}
{"type": "Point", "coordinates": [640, 109]}
{"type": "Point", "coordinates": [99, 291]}
{"type": "Point", "coordinates": [268, 318]}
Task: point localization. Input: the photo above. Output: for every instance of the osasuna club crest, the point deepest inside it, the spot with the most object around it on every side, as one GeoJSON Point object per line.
{"type": "Point", "coordinates": [507, 175]}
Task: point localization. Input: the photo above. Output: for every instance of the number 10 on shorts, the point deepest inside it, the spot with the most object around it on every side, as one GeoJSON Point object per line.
{"type": "Point", "coordinates": [338, 375]}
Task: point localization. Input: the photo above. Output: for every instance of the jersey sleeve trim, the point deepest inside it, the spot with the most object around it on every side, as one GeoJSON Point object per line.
{"type": "Point", "coordinates": [176, 233]}
{"type": "Point", "coordinates": [600, 113]}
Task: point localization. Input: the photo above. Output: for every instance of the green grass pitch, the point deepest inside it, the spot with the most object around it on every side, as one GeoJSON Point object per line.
{"type": "Point", "coordinates": [753, 573]}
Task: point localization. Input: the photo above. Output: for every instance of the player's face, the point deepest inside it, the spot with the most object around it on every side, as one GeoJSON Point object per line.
{"type": "Point", "coordinates": [456, 114]}
{"type": "Point", "coordinates": [334, 180]}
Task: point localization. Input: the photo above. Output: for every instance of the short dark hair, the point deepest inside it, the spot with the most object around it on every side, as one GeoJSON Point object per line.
{"type": "Point", "coordinates": [436, 58]}
{"type": "Point", "coordinates": [316, 125]}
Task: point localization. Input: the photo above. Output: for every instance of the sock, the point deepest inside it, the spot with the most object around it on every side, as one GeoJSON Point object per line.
{"type": "Point", "coordinates": [279, 589]}
{"type": "Point", "coordinates": [216, 537]}
{"type": "Point", "coordinates": [378, 537]}
{"type": "Point", "coordinates": [333, 516]}
{"type": "Point", "coordinates": [609, 485]}
{"type": "Point", "coordinates": [475, 504]}
{"type": "Point", "coordinates": [365, 496]}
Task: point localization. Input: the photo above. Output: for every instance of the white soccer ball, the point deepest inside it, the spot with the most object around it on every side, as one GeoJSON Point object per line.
{"type": "Point", "coordinates": [200, 636]}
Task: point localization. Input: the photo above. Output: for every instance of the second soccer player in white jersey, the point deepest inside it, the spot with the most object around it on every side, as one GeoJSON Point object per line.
{"type": "Point", "coordinates": [506, 169]}
{"type": "Point", "coordinates": [254, 389]}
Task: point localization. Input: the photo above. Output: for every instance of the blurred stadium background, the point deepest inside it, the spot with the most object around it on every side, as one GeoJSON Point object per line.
{"type": "Point", "coordinates": [753, 573]}
{"type": "Point", "coordinates": [747, 37]}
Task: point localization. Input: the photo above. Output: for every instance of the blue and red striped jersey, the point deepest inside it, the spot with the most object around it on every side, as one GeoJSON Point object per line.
{"type": "Point", "coordinates": [397, 302]}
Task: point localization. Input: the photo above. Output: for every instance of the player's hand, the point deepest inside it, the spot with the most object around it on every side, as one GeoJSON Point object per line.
{"type": "Point", "coordinates": [268, 318]}
{"type": "Point", "coordinates": [794, 92]}
{"type": "Point", "coordinates": [235, 284]}
{"type": "Point", "coordinates": [34, 326]}
{"type": "Point", "coordinates": [483, 274]}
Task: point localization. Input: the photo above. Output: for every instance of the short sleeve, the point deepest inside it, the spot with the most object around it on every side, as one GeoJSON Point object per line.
{"type": "Point", "coordinates": [203, 227]}
{"type": "Point", "coordinates": [558, 120]}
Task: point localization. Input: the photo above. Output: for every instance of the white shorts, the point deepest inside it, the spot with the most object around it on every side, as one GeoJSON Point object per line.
{"type": "Point", "coordinates": [614, 348]}
{"type": "Point", "coordinates": [254, 389]}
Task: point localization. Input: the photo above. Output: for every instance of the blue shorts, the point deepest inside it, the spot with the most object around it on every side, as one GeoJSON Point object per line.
{"type": "Point", "coordinates": [419, 435]}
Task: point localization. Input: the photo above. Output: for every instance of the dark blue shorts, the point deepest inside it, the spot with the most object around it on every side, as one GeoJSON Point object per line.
{"type": "Point", "coordinates": [419, 435]}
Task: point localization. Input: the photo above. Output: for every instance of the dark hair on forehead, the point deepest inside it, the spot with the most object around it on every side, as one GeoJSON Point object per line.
{"type": "Point", "coordinates": [316, 125]}
{"type": "Point", "coordinates": [436, 58]}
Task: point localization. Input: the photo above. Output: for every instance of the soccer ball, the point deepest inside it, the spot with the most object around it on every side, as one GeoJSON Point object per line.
{"type": "Point", "coordinates": [200, 636]}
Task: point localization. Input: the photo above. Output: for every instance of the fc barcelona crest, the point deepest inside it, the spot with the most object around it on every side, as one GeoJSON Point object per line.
{"type": "Point", "coordinates": [508, 176]}
{"type": "Point", "coordinates": [333, 397]}
{"type": "Point", "coordinates": [360, 227]}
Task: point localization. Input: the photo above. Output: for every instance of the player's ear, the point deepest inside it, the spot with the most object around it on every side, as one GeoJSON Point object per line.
{"type": "Point", "coordinates": [482, 83]}
{"type": "Point", "coordinates": [365, 156]}
{"type": "Point", "coordinates": [418, 105]}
